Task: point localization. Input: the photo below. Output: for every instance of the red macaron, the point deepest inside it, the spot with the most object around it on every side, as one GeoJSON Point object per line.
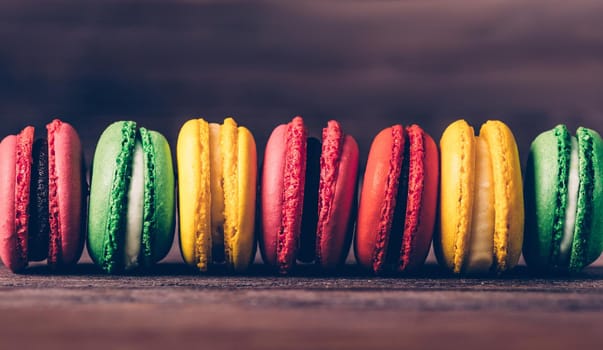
{"type": "Point", "coordinates": [396, 214]}
{"type": "Point", "coordinates": [42, 197]}
{"type": "Point", "coordinates": [307, 196]}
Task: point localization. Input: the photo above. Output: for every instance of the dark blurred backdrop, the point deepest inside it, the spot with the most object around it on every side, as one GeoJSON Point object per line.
{"type": "Point", "coordinates": [367, 63]}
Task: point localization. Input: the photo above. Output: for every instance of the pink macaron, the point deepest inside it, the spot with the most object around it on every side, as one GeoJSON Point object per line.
{"type": "Point", "coordinates": [42, 197]}
{"type": "Point", "coordinates": [308, 196]}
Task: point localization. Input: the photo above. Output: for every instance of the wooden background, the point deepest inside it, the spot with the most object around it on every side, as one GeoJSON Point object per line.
{"type": "Point", "coordinates": [367, 63]}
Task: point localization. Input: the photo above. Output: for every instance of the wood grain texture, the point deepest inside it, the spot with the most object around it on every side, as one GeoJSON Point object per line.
{"type": "Point", "coordinates": [176, 306]}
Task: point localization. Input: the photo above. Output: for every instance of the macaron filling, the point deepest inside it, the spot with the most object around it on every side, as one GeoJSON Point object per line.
{"type": "Point", "coordinates": [481, 237]}
{"type": "Point", "coordinates": [217, 193]}
{"type": "Point", "coordinates": [133, 236]}
{"type": "Point", "coordinates": [307, 245]}
{"type": "Point", "coordinates": [39, 227]}
{"type": "Point", "coordinates": [573, 184]}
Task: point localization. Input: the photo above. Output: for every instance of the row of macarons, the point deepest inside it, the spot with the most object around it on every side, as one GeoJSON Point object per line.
{"type": "Point", "coordinates": [467, 196]}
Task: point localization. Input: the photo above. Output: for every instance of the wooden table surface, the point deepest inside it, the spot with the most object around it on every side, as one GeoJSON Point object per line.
{"type": "Point", "coordinates": [176, 306]}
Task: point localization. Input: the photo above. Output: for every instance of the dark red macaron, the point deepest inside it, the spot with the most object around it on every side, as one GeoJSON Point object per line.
{"type": "Point", "coordinates": [42, 197]}
{"type": "Point", "coordinates": [396, 214]}
{"type": "Point", "coordinates": [308, 194]}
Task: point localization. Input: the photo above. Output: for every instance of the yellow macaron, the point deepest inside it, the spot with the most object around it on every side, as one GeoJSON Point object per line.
{"type": "Point", "coordinates": [217, 174]}
{"type": "Point", "coordinates": [481, 199]}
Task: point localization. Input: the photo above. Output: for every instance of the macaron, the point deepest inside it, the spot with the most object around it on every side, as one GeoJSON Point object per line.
{"type": "Point", "coordinates": [42, 197]}
{"type": "Point", "coordinates": [398, 201]}
{"type": "Point", "coordinates": [564, 200]}
{"type": "Point", "coordinates": [481, 199]}
{"type": "Point", "coordinates": [131, 214]}
{"type": "Point", "coordinates": [308, 193]}
{"type": "Point", "coordinates": [217, 172]}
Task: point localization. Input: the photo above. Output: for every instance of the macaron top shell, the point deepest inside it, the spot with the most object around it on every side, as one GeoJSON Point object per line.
{"type": "Point", "coordinates": [336, 195]}
{"type": "Point", "coordinates": [283, 180]}
{"type": "Point", "coordinates": [458, 163]}
{"type": "Point", "coordinates": [239, 188]}
{"type": "Point", "coordinates": [508, 194]}
{"type": "Point", "coordinates": [546, 196]}
{"type": "Point", "coordinates": [11, 246]}
{"type": "Point", "coordinates": [422, 194]}
{"type": "Point", "coordinates": [588, 233]}
{"type": "Point", "coordinates": [378, 197]}
{"type": "Point", "coordinates": [16, 161]}
{"type": "Point", "coordinates": [109, 194]}
{"type": "Point", "coordinates": [159, 202]}
{"type": "Point", "coordinates": [194, 193]}
{"type": "Point", "coordinates": [66, 184]}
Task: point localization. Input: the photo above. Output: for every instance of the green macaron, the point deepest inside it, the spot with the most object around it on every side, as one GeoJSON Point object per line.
{"type": "Point", "coordinates": [564, 200]}
{"type": "Point", "coordinates": [132, 204]}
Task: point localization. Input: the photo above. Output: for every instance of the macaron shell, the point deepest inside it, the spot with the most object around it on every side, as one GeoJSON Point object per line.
{"type": "Point", "coordinates": [243, 245]}
{"type": "Point", "coordinates": [595, 243]}
{"type": "Point", "coordinates": [457, 147]}
{"type": "Point", "coordinates": [422, 198]}
{"type": "Point", "coordinates": [162, 224]}
{"type": "Point", "coordinates": [588, 240]}
{"type": "Point", "coordinates": [194, 193]}
{"type": "Point", "coordinates": [293, 194]}
{"type": "Point", "coordinates": [108, 195]}
{"type": "Point", "coordinates": [480, 257]}
{"type": "Point", "coordinates": [272, 193]}
{"type": "Point", "coordinates": [65, 171]}
{"type": "Point", "coordinates": [544, 189]}
{"type": "Point", "coordinates": [230, 180]}
{"type": "Point", "coordinates": [377, 199]}
{"type": "Point", "coordinates": [339, 177]}
{"type": "Point", "coordinates": [508, 194]}
{"type": "Point", "coordinates": [283, 235]}
{"type": "Point", "coordinates": [8, 236]}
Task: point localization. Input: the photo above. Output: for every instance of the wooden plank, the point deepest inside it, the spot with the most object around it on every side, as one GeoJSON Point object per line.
{"type": "Point", "coordinates": [175, 306]}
